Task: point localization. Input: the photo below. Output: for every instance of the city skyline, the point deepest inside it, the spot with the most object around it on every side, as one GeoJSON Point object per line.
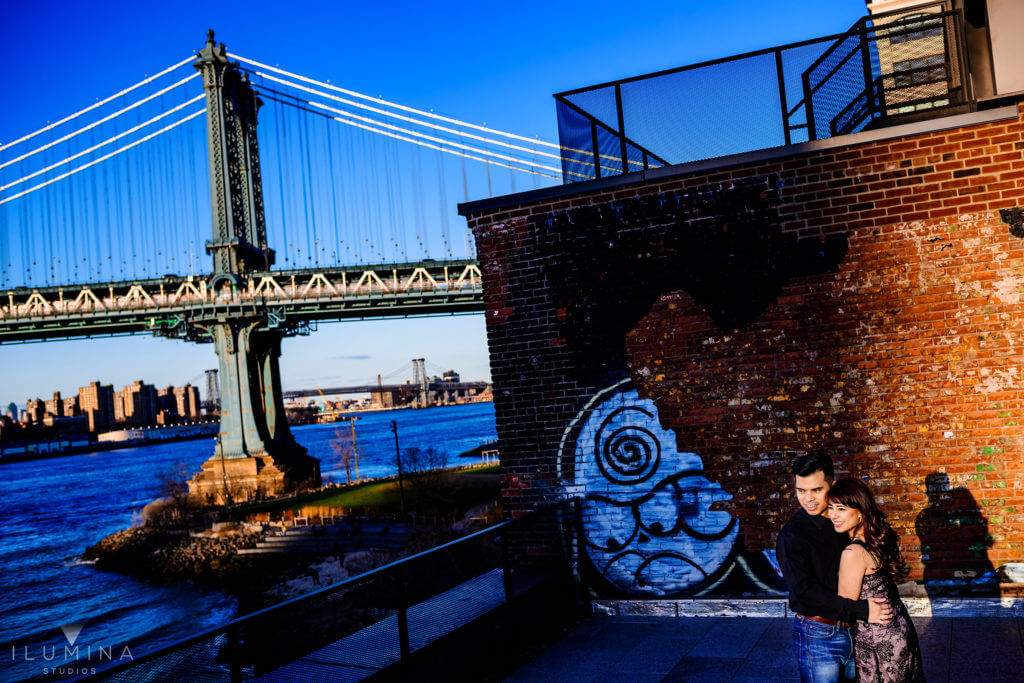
{"type": "Point", "coordinates": [199, 380]}
{"type": "Point", "coordinates": [138, 404]}
{"type": "Point", "coordinates": [451, 61]}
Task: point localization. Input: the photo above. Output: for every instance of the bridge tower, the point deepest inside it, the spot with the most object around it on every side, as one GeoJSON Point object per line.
{"type": "Point", "coordinates": [419, 378]}
{"type": "Point", "coordinates": [256, 453]}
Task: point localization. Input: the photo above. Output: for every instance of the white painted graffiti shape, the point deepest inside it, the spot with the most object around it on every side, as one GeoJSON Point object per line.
{"type": "Point", "coordinates": [647, 518]}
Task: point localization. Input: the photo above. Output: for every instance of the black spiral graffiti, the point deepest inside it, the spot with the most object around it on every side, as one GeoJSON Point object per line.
{"type": "Point", "coordinates": [627, 455]}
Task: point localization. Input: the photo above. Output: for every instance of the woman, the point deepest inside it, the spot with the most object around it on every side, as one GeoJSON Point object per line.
{"type": "Point", "coordinates": [872, 566]}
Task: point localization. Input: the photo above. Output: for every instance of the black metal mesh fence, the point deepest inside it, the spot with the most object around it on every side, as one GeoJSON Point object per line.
{"type": "Point", "coordinates": [885, 67]}
{"type": "Point", "coordinates": [366, 625]}
{"type": "Point", "coordinates": [892, 66]}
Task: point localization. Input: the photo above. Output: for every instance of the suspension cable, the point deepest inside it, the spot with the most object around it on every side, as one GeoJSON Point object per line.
{"type": "Point", "coordinates": [100, 121]}
{"type": "Point", "coordinates": [405, 118]}
{"type": "Point", "coordinates": [101, 144]}
{"type": "Point", "coordinates": [432, 115]}
{"type": "Point", "coordinates": [429, 125]}
{"type": "Point", "coordinates": [421, 144]}
{"type": "Point", "coordinates": [431, 137]}
{"type": "Point", "coordinates": [104, 157]}
{"type": "Point", "coordinates": [390, 104]}
{"type": "Point", "coordinates": [98, 104]}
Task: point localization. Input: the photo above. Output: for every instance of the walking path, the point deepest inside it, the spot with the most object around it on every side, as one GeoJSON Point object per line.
{"type": "Point", "coordinates": [668, 648]}
{"type": "Point", "coordinates": [375, 647]}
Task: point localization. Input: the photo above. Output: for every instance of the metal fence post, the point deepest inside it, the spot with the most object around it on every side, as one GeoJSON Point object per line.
{"type": "Point", "coordinates": [869, 82]}
{"type": "Point", "coordinates": [812, 133]}
{"type": "Point", "coordinates": [403, 617]}
{"type": "Point", "coordinates": [597, 150]}
{"type": "Point", "coordinates": [622, 128]}
{"type": "Point", "coordinates": [782, 96]}
{"type": "Point", "coordinates": [966, 86]}
{"type": "Point", "coordinates": [234, 655]}
{"type": "Point", "coordinates": [506, 568]}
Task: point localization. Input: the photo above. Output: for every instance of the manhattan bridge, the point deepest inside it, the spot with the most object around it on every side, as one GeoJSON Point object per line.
{"type": "Point", "coordinates": [324, 205]}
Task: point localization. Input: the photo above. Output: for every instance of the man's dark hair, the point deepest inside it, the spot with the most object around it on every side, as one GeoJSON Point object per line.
{"type": "Point", "coordinates": [807, 464]}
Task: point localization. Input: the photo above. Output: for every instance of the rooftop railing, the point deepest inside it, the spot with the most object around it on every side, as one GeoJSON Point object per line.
{"type": "Point", "coordinates": [514, 579]}
{"type": "Point", "coordinates": [886, 69]}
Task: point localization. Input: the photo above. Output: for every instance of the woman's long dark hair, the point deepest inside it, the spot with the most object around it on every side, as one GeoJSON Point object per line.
{"type": "Point", "coordinates": [880, 539]}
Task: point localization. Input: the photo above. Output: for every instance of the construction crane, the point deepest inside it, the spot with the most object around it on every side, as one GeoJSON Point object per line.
{"type": "Point", "coordinates": [331, 412]}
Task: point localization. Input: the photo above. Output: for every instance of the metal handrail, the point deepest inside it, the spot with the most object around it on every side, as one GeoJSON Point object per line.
{"type": "Point", "coordinates": [777, 51]}
{"type": "Point", "coordinates": [231, 628]}
{"type": "Point", "coordinates": [857, 40]}
{"type": "Point", "coordinates": [700, 65]}
{"type": "Point", "coordinates": [624, 141]}
{"type": "Point", "coordinates": [874, 91]}
{"type": "Point", "coordinates": [860, 26]}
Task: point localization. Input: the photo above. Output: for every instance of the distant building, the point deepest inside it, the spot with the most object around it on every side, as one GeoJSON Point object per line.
{"type": "Point", "coordinates": [36, 409]}
{"type": "Point", "coordinates": [383, 399]}
{"type": "Point", "coordinates": [55, 406]}
{"type": "Point", "coordinates": [12, 411]}
{"type": "Point", "coordinates": [187, 402]}
{"type": "Point", "coordinates": [96, 401]}
{"type": "Point", "coordinates": [450, 376]}
{"type": "Point", "coordinates": [7, 425]}
{"type": "Point", "coordinates": [166, 402]}
{"type": "Point", "coordinates": [138, 404]}
{"type": "Point", "coordinates": [71, 407]}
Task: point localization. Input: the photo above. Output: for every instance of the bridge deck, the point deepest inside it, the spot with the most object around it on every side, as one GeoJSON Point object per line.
{"type": "Point", "coordinates": [180, 306]}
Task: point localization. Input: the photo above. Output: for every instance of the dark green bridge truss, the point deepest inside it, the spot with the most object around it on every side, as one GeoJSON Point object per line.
{"type": "Point", "coordinates": [184, 306]}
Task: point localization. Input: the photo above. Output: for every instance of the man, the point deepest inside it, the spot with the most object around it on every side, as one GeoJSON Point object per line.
{"type": "Point", "coordinates": [808, 550]}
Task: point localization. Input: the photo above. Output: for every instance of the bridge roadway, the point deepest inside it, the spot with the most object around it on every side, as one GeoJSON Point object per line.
{"type": "Point", "coordinates": [367, 388]}
{"type": "Point", "coordinates": [293, 298]}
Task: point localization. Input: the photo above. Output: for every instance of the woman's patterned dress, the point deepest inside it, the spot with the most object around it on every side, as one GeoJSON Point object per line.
{"type": "Point", "coordinates": [887, 653]}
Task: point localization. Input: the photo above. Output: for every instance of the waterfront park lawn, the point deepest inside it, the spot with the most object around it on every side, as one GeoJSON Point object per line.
{"type": "Point", "coordinates": [448, 491]}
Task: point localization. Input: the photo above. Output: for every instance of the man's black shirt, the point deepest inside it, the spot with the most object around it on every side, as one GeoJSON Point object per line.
{"type": "Point", "coordinates": [808, 550]}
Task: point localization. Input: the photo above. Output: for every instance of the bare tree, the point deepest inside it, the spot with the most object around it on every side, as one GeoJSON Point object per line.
{"type": "Point", "coordinates": [343, 446]}
{"type": "Point", "coordinates": [174, 490]}
{"type": "Point", "coordinates": [424, 466]}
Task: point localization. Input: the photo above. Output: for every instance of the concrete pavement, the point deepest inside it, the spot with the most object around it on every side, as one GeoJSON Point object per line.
{"type": "Point", "coordinates": [668, 648]}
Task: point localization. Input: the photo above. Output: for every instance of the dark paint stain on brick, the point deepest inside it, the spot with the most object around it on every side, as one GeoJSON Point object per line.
{"type": "Point", "coordinates": [1015, 219]}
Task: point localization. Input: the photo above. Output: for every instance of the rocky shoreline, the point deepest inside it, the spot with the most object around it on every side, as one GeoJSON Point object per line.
{"type": "Point", "coordinates": [175, 555]}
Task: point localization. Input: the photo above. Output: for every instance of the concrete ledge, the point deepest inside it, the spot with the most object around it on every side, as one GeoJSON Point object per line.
{"type": "Point", "coordinates": [965, 607]}
{"type": "Point", "coordinates": [1009, 607]}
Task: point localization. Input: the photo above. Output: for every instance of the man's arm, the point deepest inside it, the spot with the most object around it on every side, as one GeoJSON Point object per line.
{"type": "Point", "coordinates": [820, 600]}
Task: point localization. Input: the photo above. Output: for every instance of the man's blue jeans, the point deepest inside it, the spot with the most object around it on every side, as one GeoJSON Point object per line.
{"type": "Point", "coordinates": [824, 654]}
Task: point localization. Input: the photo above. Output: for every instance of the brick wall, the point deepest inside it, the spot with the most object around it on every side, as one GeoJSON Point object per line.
{"type": "Point", "coordinates": [864, 300]}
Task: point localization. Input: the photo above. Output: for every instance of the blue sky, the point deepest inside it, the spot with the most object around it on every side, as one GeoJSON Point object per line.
{"type": "Point", "coordinates": [487, 63]}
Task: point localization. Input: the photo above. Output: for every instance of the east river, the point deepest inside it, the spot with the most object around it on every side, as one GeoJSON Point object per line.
{"type": "Point", "coordinates": [53, 509]}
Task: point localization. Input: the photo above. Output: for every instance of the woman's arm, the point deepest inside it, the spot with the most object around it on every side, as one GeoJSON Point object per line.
{"type": "Point", "coordinates": [852, 565]}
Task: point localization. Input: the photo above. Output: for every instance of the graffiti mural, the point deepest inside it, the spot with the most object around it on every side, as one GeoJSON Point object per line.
{"type": "Point", "coordinates": [649, 526]}
{"type": "Point", "coordinates": [654, 524]}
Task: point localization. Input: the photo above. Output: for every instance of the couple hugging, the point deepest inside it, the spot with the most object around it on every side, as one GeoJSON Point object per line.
{"type": "Point", "coordinates": [842, 563]}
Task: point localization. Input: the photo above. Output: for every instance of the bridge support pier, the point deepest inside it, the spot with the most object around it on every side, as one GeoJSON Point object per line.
{"type": "Point", "coordinates": [256, 454]}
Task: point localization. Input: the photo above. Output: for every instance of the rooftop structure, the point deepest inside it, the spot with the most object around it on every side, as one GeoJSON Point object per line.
{"type": "Point", "coordinates": [905, 61]}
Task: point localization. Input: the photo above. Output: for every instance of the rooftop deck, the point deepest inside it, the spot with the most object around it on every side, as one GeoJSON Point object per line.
{"type": "Point", "coordinates": [658, 648]}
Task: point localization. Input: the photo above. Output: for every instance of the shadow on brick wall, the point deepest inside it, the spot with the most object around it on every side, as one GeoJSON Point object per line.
{"type": "Point", "coordinates": [954, 542]}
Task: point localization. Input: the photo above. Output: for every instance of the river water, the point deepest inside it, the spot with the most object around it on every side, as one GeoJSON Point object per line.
{"type": "Point", "coordinates": [51, 510]}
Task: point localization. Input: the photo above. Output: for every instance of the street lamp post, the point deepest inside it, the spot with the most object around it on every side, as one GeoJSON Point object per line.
{"type": "Point", "coordinates": [398, 461]}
